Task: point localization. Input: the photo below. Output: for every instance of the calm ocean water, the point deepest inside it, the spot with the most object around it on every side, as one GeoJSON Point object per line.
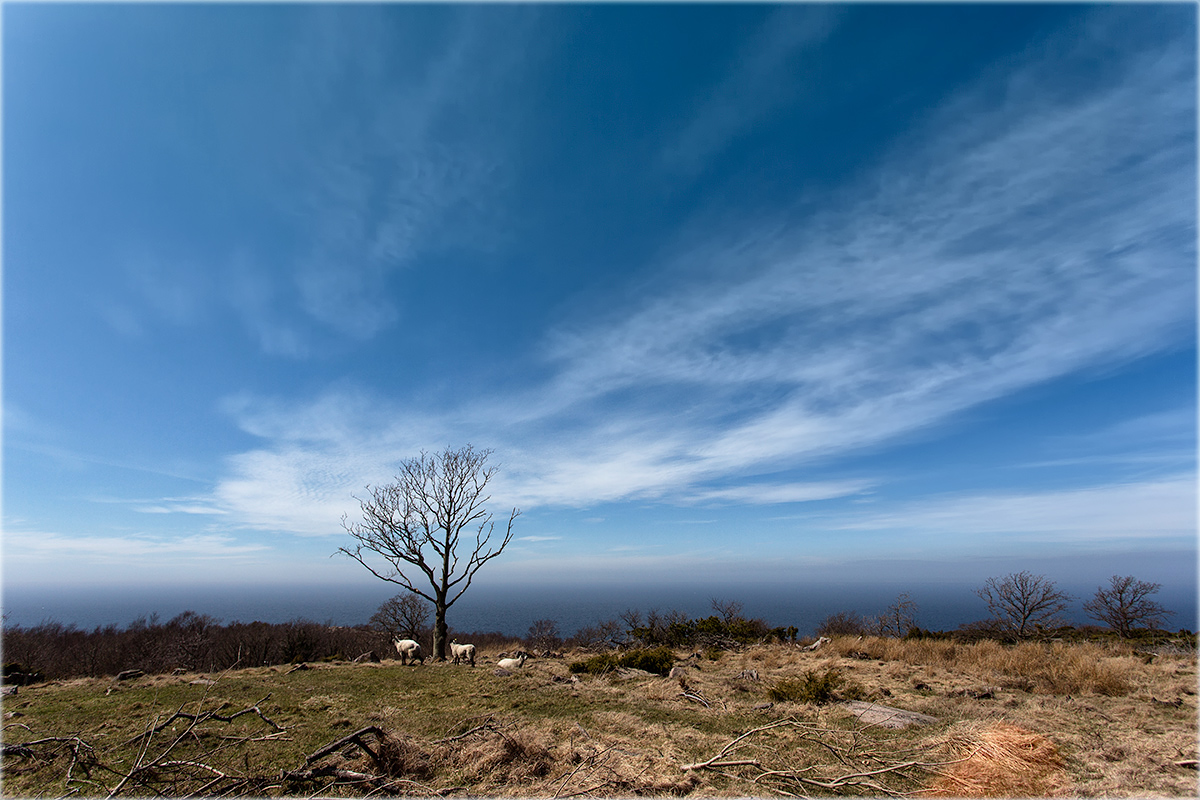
{"type": "Point", "coordinates": [512, 611]}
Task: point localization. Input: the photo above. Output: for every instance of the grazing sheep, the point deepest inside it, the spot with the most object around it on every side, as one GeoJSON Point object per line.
{"type": "Point", "coordinates": [512, 663]}
{"type": "Point", "coordinates": [462, 652]}
{"type": "Point", "coordinates": [408, 649]}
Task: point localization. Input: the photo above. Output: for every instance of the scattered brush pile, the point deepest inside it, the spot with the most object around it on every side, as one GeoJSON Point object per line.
{"type": "Point", "coordinates": [489, 758]}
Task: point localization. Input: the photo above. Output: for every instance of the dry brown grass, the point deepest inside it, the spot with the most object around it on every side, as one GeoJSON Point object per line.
{"type": "Point", "coordinates": [1052, 668]}
{"type": "Point", "coordinates": [1118, 724]}
{"type": "Point", "coordinates": [998, 759]}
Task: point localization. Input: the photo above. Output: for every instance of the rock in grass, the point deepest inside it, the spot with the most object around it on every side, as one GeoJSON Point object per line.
{"type": "Point", "coordinates": [886, 716]}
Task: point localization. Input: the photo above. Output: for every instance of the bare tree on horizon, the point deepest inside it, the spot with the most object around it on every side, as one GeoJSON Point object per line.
{"type": "Point", "coordinates": [416, 524]}
{"type": "Point", "coordinates": [1021, 601]}
{"type": "Point", "coordinates": [1124, 605]}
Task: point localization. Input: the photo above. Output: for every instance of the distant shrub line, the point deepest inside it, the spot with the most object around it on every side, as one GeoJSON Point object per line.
{"type": "Point", "coordinates": [197, 642]}
{"type": "Point", "coordinates": [193, 642]}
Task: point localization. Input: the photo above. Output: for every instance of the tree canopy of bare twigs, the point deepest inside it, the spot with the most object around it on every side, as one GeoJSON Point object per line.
{"type": "Point", "coordinates": [543, 635]}
{"type": "Point", "coordinates": [727, 610]}
{"type": "Point", "coordinates": [900, 617]}
{"type": "Point", "coordinates": [402, 617]}
{"type": "Point", "coordinates": [422, 526]}
{"type": "Point", "coordinates": [1021, 602]}
{"type": "Point", "coordinates": [1125, 605]}
{"type": "Point", "coordinates": [843, 623]}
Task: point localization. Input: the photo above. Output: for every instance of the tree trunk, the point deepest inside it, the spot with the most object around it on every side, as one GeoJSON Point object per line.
{"type": "Point", "coordinates": [439, 632]}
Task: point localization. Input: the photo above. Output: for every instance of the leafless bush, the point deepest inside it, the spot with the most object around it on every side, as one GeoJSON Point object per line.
{"type": "Point", "coordinates": [404, 616]}
{"type": "Point", "coordinates": [843, 623]}
{"type": "Point", "coordinates": [602, 636]}
{"type": "Point", "coordinates": [543, 635]}
{"type": "Point", "coordinates": [1022, 603]}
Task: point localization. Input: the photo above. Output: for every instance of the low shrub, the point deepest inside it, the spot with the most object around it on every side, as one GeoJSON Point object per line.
{"type": "Point", "coordinates": [596, 665]}
{"type": "Point", "coordinates": [658, 660]}
{"type": "Point", "coordinates": [813, 687]}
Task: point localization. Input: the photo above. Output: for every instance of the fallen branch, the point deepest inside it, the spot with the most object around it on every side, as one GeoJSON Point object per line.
{"type": "Point", "coordinates": [488, 725]}
{"type": "Point", "coordinates": [716, 764]}
{"type": "Point", "coordinates": [578, 767]}
{"type": "Point", "coordinates": [355, 738]}
{"type": "Point", "coordinates": [866, 765]}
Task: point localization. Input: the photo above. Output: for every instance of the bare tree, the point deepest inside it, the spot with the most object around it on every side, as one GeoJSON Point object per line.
{"type": "Point", "coordinates": [1021, 602]}
{"type": "Point", "coordinates": [402, 617]}
{"type": "Point", "coordinates": [843, 623]}
{"type": "Point", "coordinates": [1124, 605]}
{"type": "Point", "coordinates": [727, 610]}
{"type": "Point", "coordinates": [416, 525]}
{"type": "Point", "coordinates": [899, 618]}
{"type": "Point", "coordinates": [543, 635]}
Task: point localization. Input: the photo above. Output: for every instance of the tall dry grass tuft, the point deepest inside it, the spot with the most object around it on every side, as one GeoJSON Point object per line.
{"type": "Point", "coordinates": [405, 757]}
{"type": "Point", "coordinates": [513, 758]}
{"type": "Point", "coordinates": [998, 760]}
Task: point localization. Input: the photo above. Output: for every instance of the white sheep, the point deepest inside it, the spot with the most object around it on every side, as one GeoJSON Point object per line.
{"type": "Point", "coordinates": [462, 652]}
{"type": "Point", "coordinates": [408, 649]}
{"type": "Point", "coordinates": [512, 663]}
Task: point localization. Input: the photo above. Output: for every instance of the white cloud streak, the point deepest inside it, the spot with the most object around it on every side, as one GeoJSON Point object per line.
{"type": "Point", "coordinates": [752, 89]}
{"type": "Point", "coordinates": [1151, 509]}
{"type": "Point", "coordinates": [42, 546]}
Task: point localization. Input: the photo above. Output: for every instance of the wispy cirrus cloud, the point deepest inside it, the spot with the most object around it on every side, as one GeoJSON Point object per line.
{"type": "Point", "coordinates": [375, 144]}
{"type": "Point", "coordinates": [414, 169]}
{"type": "Point", "coordinates": [1166, 439]}
{"type": "Point", "coordinates": [989, 252]}
{"type": "Point", "coordinates": [751, 90]}
{"type": "Point", "coordinates": [30, 545]}
{"type": "Point", "coordinates": [1010, 248]}
{"type": "Point", "coordinates": [1154, 509]}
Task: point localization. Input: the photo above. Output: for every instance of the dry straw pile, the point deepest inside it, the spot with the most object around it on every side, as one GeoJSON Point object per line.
{"type": "Point", "coordinates": [999, 760]}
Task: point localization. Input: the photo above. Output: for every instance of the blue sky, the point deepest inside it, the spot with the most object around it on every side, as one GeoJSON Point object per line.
{"type": "Point", "coordinates": [733, 292]}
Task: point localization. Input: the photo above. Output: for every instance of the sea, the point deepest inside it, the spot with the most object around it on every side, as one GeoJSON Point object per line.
{"type": "Point", "coordinates": [512, 610]}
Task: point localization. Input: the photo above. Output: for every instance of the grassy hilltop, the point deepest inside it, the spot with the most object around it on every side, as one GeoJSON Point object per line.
{"type": "Point", "coordinates": [1034, 719]}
